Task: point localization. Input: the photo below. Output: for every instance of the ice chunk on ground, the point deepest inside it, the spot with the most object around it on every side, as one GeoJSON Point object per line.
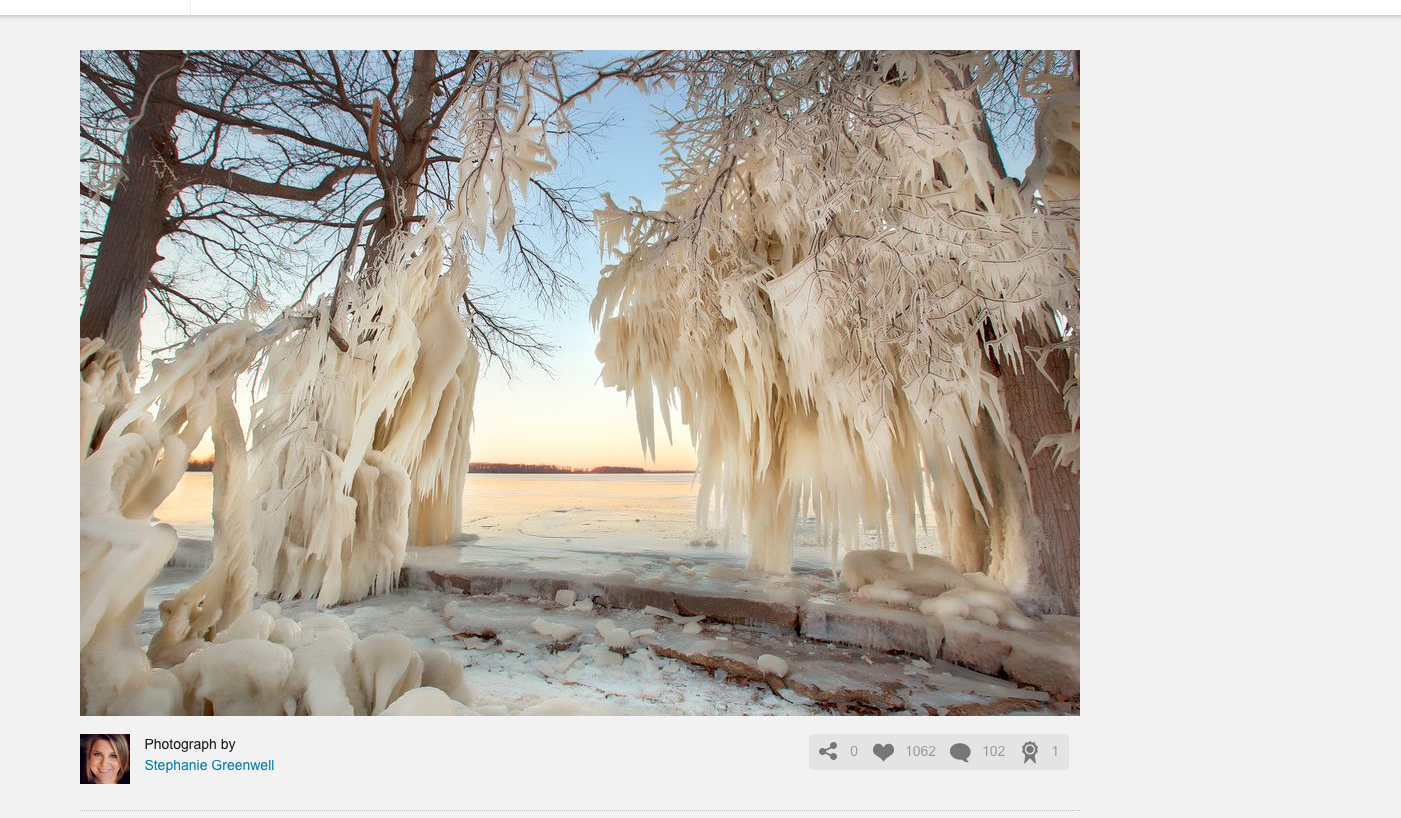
{"type": "Point", "coordinates": [255, 624]}
{"type": "Point", "coordinates": [565, 662]}
{"type": "Point", "coordinates": [618, 638]}
{"type": "Point", "coordinates": [442, 671]}
{"type": "Point", "coordinates": [323, 677]}
{"type": "Point", "coordinates": [387, 666]}
{"type": "Point", "coordinates": [425, 701]}
{"type": "Point", "coordinates": [921, 574]}
{"type": "Point", "coordinates": [1016, 620]}
{"type": "Point", "coordinates": [285, 631]}
{"type": "Point", "coordinates": [773, 664]}
{"type": "Point", "coordinates": [719, 570]}
{"type": "Point", "coordinates": [945, 606]}
{"type": "Point", "coordinates": [987, 616]}
{"type": "Point", "coordinates": [890, 596]}
{"type": "Point", "coordinates": [245, 677]}
{"type": "Point", "coordinates": [555, 630]}
{"type": "Point", "coordinates": [563, 707]}
{"type": "Point", "coordinates": [795, 697]}
{"type": "Point", "coordinates": [319, 628]}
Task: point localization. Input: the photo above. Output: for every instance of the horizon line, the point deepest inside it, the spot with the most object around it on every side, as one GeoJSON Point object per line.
{"type": "Point", "coordinates": [198, 464]}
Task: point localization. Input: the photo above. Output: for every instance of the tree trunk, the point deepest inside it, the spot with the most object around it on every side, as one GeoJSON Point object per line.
{"type": "Point", "coordinates": [136, 220]}
{"type": "Point", "coordinates": [1029, 543]}
{"type": "Point", "coordinates": [1036, 408]}
{"type": "Point", "coordinates": [404, 170]}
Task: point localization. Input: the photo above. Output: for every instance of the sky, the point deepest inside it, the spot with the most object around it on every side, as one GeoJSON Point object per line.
{"type": "Point", "coordinates": [571, 418]}
{"type": "Point", "coordinates": [568, 417]}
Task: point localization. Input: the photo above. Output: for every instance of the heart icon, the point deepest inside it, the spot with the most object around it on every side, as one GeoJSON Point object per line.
{"type": "Point", "coordinates": [883, 751]}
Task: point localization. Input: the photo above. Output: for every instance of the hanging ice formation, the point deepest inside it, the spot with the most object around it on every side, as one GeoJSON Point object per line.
{"type": "Point", "coordinates": [818, 293]}
{"type": "Point", "coordinates": [358, 453]}
{"type": "Point", "coordinates": [355, 454]}
{"type": "Point", "coordinates": [131, 460]}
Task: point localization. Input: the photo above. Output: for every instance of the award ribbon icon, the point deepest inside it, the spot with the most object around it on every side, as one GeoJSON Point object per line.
{"type": "Point", "coordinates": [1029, 752]}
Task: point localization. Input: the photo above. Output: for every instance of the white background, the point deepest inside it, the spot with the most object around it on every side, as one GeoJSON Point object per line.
{"type": "Point", "coordinates": [1239, 543]}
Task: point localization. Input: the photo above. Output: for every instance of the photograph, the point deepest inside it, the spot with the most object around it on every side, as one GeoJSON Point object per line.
{"type": "Point", "coordinates": [693, 383]}
{"type": "Point", "coordinates": [104, 758]}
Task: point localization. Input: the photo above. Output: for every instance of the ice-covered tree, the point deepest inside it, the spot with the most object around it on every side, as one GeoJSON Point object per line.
{"type": "Point", "coordinates": [837, 292]}
{"type": "Point", "coordinates": [359, 448]}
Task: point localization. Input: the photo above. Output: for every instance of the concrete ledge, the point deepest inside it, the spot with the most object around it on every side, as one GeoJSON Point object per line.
{"type": "Point", "coordinates": [874, 627]}
{"type": "Point", "coordinates": [776, 608]}
{"type": "Point", "coordinates": [974, 645]}
{"type": "Point", "coordinates": [1045, 660]}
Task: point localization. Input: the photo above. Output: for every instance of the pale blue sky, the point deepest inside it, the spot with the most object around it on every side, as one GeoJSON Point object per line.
{"type": "Point", "coordinates": [572, 419]}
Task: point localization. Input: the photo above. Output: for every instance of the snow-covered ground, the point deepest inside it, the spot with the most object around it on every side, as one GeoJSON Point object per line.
{"type": "Point", "coordinates": [574, 666]}
{"type": "Point", "coordinates": [517, 672]}
{"type": "Point", "coordinates": [626, 542]}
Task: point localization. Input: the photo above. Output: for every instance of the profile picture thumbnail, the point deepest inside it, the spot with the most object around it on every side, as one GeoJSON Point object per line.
{"type": "Point", "coordinates": [105, 759]}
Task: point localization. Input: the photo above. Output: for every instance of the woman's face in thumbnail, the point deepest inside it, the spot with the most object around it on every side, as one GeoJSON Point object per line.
{"type": "Point", "coordinates": [103, 763]}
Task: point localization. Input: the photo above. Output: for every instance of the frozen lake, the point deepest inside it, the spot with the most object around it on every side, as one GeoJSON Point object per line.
{"type": "Point", "coordinates": [626, 512]}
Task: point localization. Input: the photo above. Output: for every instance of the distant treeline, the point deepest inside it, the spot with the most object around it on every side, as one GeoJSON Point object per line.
{"type": "Point", "coordinates": [511, 468]}
{"type": "Point", "coordinates": [546, 468]}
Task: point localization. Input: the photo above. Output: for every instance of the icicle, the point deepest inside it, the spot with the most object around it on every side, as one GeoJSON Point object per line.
{"type": "Point", "coordinates": [224, 592]}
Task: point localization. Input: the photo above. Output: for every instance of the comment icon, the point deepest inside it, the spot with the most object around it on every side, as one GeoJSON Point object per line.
{"type": "Point", "coordinates": [961, 752]}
